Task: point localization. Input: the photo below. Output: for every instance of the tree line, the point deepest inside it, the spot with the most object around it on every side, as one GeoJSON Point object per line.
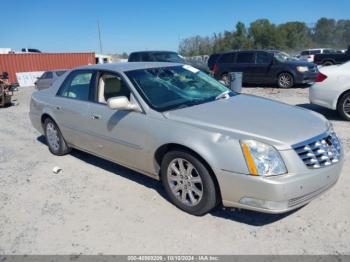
{"type": "Point", "coordinates": [262, 34]}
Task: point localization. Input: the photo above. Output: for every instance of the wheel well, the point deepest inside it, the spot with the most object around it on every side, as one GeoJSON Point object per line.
{"type": "Point", "coordinates": [341, 96]}
{"type": "Point", "coordinates": [44, 117]}
{"type": "Point", "coordinates": [285, 72]}
{"type": "Point", "coordinates": [161, 151]}
{"type": "Point", "coordinates": [328, 60]}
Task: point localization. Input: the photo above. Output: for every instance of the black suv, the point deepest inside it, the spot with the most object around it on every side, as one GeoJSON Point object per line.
{"type": "Point", "coordinates": [164, 56]}
{"type": "Point", "coordinates": [265, 67]}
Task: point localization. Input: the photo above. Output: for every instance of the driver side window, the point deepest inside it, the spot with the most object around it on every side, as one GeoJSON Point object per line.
{"type": "Point", "coordinates": [110, 85]}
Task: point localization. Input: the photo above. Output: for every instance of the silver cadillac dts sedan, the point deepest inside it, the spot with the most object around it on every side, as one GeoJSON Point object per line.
{"type": "Point", "coordinates": [205, 143]}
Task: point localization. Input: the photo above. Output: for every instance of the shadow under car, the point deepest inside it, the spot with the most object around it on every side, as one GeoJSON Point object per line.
{"type": "Point", "coordinates": [238, 215]}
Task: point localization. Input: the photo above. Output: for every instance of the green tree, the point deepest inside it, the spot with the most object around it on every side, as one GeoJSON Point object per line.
{"type": "Point", "coordinates": [265, 35]}
{"type": "Point", "coordinates": [324, 32]}
{"type": "Point", "coordinates": [295, 35]}
{"type": "Point", "coordinates": [240, 37]}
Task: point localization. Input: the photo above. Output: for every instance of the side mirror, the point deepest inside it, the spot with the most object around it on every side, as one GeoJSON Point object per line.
{"type": "Point", "coordinates": [122, 103]}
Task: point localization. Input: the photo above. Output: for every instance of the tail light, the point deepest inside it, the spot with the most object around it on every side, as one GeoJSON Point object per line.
{"type": "Point", "coordinates": [215, 68]}
{"type": "Point", "coordinates": [320, 77]}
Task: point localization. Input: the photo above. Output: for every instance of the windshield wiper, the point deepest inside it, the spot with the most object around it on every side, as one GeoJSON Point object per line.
{"type": "Point", "coordinates": [223, 95]}
{"type": "Point", "coordinates": [189, 103]}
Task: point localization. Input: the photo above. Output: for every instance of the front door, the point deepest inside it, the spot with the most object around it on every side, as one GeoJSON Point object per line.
{"type": "Point", "coordinates": [262, 69]}
{"type": "Point", "coordinates": [118, 135]}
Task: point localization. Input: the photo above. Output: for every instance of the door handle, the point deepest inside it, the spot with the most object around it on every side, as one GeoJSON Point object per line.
{"type": "Point", "coordinates": [95, 117]}
{"type": "Point", "coordinates": [58, 107]}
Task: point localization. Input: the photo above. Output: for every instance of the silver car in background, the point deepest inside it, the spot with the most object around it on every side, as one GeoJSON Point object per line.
{"type": "Point", "coordinates": [207, 144]}
{"type": "Point", "coordinates": [48, 78]}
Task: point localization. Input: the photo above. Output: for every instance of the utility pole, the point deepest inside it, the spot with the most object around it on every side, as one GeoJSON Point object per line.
{"type": "Point", "coordinates": [99, 35]}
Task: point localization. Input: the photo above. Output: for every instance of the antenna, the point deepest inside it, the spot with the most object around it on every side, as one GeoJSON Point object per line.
{"type": "Point", "coordinates": [99, 35]}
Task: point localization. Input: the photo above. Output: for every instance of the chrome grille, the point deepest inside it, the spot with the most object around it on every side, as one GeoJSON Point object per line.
{"type": "Point", "coordinates": [321, 151]}
{"type": "Point", "coordinates": [308, 197]}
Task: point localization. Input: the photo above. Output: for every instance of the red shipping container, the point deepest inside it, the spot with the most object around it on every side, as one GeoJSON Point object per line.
{"type": "Point", "coordinates": [31, 62]}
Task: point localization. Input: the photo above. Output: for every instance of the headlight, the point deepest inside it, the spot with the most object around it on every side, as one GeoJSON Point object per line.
{"type": "Point", "coordinates": [302, 69]}
{"type": "Point", "coordinates": [262, 159]}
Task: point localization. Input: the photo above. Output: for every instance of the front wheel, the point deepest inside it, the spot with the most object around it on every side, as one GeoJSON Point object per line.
{"type": "Point", "coordinates": [285, 80]}
{"type": "Point", "coordinates": [344, 106]}
{"type": "Point", "coordinates": [188, 183]}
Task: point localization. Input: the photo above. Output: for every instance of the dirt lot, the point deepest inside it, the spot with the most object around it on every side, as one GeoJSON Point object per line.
{"type": "Point", "coordinates": [97, 207]}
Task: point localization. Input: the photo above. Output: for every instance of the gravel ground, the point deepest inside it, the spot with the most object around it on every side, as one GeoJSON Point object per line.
{"type": "Point", "coordinates": [97, 207]}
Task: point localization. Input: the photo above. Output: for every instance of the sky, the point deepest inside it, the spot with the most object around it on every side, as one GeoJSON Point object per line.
{"type": "Point", "coordinates": [131, 25]}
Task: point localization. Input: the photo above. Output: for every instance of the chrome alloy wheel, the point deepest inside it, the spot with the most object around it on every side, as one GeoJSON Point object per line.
{"type": "Point", "coordinates": [185, 182]}
{"type": "Point", "coordinates": [285, 80]}
{"type": "Point", "coordinates": [346, 106]}
{"type": "Point", "coordinates": [52, 136]}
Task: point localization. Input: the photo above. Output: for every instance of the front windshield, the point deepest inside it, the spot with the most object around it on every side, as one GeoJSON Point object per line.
{"type": "Point", "coordinates": [168, 57]}
{"type": "Point", "coordinates": [167, 88]}
{"type": "Point", "coordinates": [283, 57]}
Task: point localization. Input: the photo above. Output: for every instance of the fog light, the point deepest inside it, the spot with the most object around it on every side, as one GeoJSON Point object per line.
{"type": "Point", "coordinates": [265, 204]}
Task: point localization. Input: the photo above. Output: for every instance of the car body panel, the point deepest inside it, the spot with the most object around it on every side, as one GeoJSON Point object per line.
{"type": "Point", "coordinates": [212, 130]}
{"type": "Point", "coordinates": [48, 78]}
{"type": "Point", "coordinates": [266, 73]}
{"type": "Point", "coordinates": [151, 56]}
{"type": "Point", "coordinates": [327, 92]}
{"type": "Point", "coordinates": [334, 58]}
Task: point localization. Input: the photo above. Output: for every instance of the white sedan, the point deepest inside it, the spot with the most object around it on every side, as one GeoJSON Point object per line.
{"type": "Point", "coordinates": [332, 89]}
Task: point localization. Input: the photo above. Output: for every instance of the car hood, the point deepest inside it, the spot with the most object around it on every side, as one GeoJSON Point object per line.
{"type": "Point", "coordinates": [300, 63]}
{"type": "Point", "coordinates": [250, 117]}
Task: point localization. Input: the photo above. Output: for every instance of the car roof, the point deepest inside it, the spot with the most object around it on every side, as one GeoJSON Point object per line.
{"type": "Point", "coordinates": [57, 70]}
{"type": "Point", "coordinates": [250, 50]}
{"type": "Point", "coordinates": [314, 49]}
{"type": "Point", "coordinates": [153, 51]}
{"type": "Point", "coordinates": [128, 66]}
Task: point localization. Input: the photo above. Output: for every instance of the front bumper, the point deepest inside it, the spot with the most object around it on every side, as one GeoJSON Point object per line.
{"type": "Point", "coordinates": [276, 194]}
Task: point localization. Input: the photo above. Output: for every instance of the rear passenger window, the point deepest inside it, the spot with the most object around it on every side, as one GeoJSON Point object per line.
{"type": "Point", "coordinates": [246, 58]}
{"type": "Point", "coordinates": [77, 86]}
{"type": "Point", "coordinates": [145, 57]}
{"type": "Point", "coordinates": [134, 57]}
{"type": "Point", "coordinates": [227, 58]}
{"type": "Point", "coordinates": [314, 52]}
{"type": "Point", "coordinates": [49, 75]}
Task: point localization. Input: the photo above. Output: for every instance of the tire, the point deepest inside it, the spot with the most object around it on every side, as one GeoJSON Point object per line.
{"type": "Point", "coordinates": [285, 80]}
{"type": "Point", "coordinates": [343, 106]}
{"type": "Point", "coordinates": [193, 192]}
{"type": "Point", "coordinates": [327, 63]}
{"type": "Point", "coordinates": [54, 139]}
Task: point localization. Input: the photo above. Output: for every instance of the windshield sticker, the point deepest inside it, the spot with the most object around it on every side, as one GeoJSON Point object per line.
{"type": "Point", "coordinates": [190, 68]}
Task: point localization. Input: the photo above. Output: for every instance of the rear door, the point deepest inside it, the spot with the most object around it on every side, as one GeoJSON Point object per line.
{"type": "Point", "coordinates": [70, 107]}
{"type": "Point", "coordinates": [245, 63]}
